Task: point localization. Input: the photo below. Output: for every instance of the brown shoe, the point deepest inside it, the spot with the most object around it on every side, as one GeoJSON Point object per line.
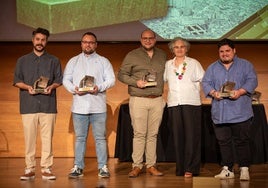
{"type": "Point", "coordinates": [135, 172]}
{"type": "Point", "coordinates": [153, 171]}
{"type": "Point", "coordinates": [188, 175]}
{"type": "Point", "coordinates": [29, 174]}
{"type": "Point", "coordinates": [47, 174]}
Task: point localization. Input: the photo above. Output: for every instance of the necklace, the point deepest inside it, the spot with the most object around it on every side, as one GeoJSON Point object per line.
{"type": "Point", "coordinates": [180, 76]}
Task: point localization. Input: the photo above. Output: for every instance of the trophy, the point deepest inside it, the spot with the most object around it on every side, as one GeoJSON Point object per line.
{"type": "Point", "coordinates": [40, 85]}
{"type": "Point", "coordinates": [87, 83]}
{"type": "Point", "coordinates": [150, 78]}
{"type": "Point", "coordinates": [226, 89]}
{"type": "Point", "coordinates": [255, 97]}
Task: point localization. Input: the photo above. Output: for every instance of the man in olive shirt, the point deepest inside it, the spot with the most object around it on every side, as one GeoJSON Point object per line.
{"type": "Point", "coordinates": [146, 103]}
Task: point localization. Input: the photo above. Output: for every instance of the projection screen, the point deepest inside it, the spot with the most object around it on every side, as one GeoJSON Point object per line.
{"type": "Point", "coordinates": [123, 20]}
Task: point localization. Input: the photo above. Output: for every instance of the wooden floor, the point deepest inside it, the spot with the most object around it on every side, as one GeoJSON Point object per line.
{"type": "Point", "coordinates": [12, 168]}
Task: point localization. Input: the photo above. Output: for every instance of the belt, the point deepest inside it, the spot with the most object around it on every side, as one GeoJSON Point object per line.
{"type": "Point", "coordinates": [152, 96]}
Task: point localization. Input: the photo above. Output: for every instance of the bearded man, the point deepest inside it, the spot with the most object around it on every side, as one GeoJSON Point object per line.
{"type": "Point", "coordinates": [231, 114]}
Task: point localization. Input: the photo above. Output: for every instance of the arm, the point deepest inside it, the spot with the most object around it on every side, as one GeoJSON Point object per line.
{"type": "Point", "coordinates": [208, 84]}
{"type": "Point", "coordinates": [108, 76]}
{"type": "Point", "coordinates": [165, 73]}
{"type": "Point", "coordinates": [126, 74]}
{"type": "Point", "coordinates": [68, 77]}
{"type": "Point", "coordinates": [250, 83]}
{"type": "Point", "coordinates": [198, 71]}
{"type": "Point", "coordinates": [18, 78]}
{"type": "Point", "coordinates": [51, 87]}
{"type": "Point", "coordinates": [57, 78]}
{"type": "Point", "coordinates": [24, 86]}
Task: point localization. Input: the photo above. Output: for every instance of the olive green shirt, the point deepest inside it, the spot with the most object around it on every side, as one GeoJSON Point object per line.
{"type": "Point", "coordinates": [136, 64]}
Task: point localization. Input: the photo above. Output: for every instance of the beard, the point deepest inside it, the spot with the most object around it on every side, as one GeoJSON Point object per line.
{"type": "Point", "coordinates": [39, 49]}
{"type": "Point", "coordinates": [226, 61]}
{"type": "Point", "coordinates": [88, 52]}
{"type": "Point", "coordinates": [148, 49]}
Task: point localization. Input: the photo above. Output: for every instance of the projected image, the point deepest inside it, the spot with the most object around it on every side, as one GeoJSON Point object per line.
{"type": "Point", "coordinates": [213, 19]}
{"type": "Point", "coordinates": [124, 20]}
{"type": "Point", "coordinates": [71, 15]}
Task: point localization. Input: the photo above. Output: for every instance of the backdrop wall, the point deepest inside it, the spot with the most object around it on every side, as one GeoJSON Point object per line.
{"type": "Point", "coordinates": [11, 132]}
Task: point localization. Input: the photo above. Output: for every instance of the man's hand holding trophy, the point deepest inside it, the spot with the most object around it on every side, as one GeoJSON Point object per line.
{"type": "Point", "coordinates": [226, 91]}
{"type": "Point", "coordinates": [40, 85]}
{"type": "Point", "coordinates": [150, 78]}
{"type": "Point", "coordinates": [87, 85]}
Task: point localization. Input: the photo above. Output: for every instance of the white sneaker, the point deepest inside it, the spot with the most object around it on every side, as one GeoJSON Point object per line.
{"type": "Point", "coordinates": [225, 174]}
{"type": "Point", "coordinates": [244, 174]}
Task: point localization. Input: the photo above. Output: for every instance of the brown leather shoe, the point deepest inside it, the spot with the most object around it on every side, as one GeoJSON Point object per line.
{"type": "Point", "coordinates": [188, 175]}
{"type": "Point", "coordinates": [153, 171]}
{"type": "Point", "coordinates": [135, 172]}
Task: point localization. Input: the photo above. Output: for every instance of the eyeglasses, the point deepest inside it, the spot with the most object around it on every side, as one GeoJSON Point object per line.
{"type": "Point", "coordinates": [148, 38]}
{"type": "Point", "coordinates": [179, 47]}
{"type": "Point", "coordinates": [88, 42]}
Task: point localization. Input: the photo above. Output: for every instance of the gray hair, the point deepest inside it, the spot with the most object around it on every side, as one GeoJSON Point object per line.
{"type": "Point", "coordinates": [172, 42]}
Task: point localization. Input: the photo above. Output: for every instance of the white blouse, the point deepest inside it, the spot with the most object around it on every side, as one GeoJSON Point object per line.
{"type": "Point", "coordinates": [185, 91]}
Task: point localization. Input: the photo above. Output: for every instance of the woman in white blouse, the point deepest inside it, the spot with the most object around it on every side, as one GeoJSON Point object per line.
{"type": "Point", "coordinates": [183, 75]}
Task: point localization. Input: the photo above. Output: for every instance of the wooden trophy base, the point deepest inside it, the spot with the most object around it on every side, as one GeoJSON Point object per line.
{"type": "Point", "coordinates": [85, 89]}
{"type": "Point", "coordinates": [226, 95]}
{"type": "Point", "coordinates": [40, 90]}
{"type": "Point", "coordinates": [150, 84]}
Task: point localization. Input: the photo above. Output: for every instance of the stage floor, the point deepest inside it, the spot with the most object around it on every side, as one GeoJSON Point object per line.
{"type": "Point", "coordinates": [12, 168]}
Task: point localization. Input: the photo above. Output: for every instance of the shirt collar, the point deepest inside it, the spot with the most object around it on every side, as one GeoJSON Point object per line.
{"type": "Point", "coordinates": [34, 55]}
{"type": "Point", "coordinates": [91, 55]}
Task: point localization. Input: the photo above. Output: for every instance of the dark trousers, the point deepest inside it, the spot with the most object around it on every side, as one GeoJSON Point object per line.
{"type": "Point", "coordinates": [233, 139]}
{"type": "Point", "coordinates": [186, 125]}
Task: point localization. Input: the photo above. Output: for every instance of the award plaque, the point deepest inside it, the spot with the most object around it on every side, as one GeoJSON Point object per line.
{"type": "Point", "coordinates": [87, 83]}
{"type": "Point", "coordinates": [40, 85]}
{"type": "Point", "coordinates": [226, 89]}
{"type": "Point", "coordinates": [150, 78]}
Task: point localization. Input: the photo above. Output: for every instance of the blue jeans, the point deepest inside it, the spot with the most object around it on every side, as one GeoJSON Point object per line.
{"type": "Point", "coordinates": [81, 125]}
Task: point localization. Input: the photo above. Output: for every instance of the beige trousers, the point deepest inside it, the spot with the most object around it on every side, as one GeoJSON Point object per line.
{"type": "Point", "coordinates": [146, 115]}
{"type": "Point", "coordinates": [31, 123]}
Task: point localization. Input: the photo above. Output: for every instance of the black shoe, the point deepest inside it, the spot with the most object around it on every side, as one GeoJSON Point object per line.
{"type": "Point", "coordinates": [104, 172]}
{"type": "Point", "coordinates": [76, 172]}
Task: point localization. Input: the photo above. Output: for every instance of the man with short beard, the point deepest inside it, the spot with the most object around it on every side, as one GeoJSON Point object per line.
{"type": "Point", "coordinates": [89, 105]}
{"type": "Point", "coordinates": [38, 107]}
{"type": "Point", "coordinates": [231, 114]}
{"type": "Point", "coordinates": [146, 103]}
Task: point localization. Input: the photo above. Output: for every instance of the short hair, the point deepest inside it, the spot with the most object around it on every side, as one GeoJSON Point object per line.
{"type": "Point", "coordinates": [42, 31]}
{"type": "Point", "coordinates": [150, 31]}
{"type": "Point", "coordinates": [226, 41]}
{"type": "Point", "coordinates": [90, 33]}
{"type": "Point", "coordinates": [186, 43]}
